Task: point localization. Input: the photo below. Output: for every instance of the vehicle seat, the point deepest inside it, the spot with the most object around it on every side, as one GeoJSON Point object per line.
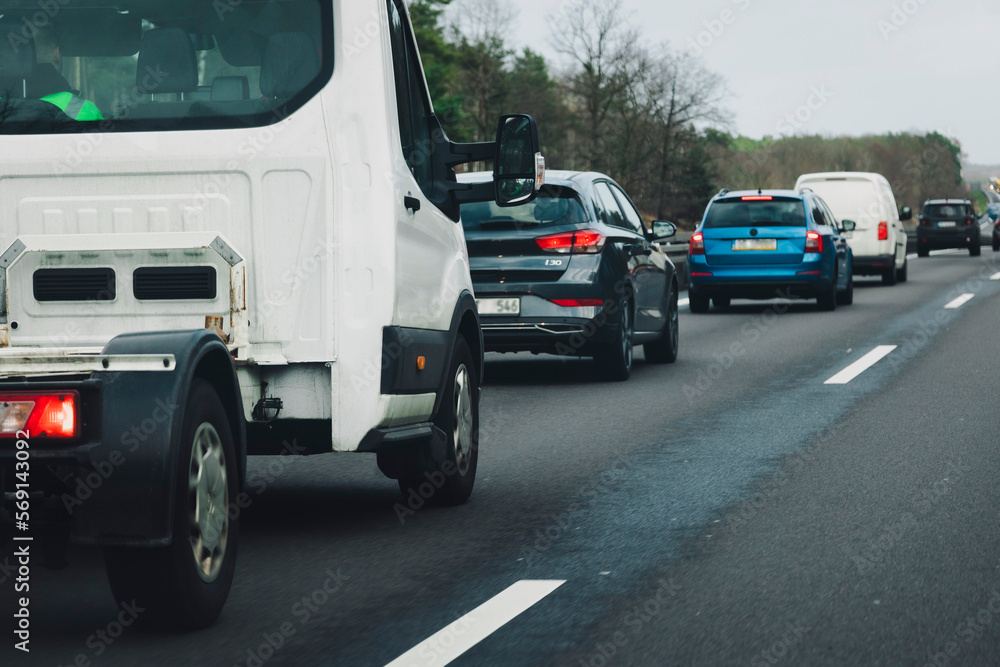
{"type": "Point", "coordinates": [230, 89]}
{"type": "Point", "coordinates": [291, 61]}
{"type": "Point", "coordinates": [167, 53]}
{"type": "Point", "coordinates": [17, 62]}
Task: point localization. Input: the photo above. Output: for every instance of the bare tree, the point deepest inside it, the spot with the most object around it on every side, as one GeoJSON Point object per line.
{"type": "Point", "coordinates": [687, 94]}
{"type": "Point", "coordinates": [598, 42]}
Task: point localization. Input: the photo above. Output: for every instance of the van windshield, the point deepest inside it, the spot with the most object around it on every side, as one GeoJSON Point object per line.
{"type": "Point", "coordinates": [139, 65]}
{"type": "Point", "coordinates": [769, 212]}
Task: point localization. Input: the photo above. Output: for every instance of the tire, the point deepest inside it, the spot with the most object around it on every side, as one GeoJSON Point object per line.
{"type": "Point", "coordinates": [828, 301]}
{"type": "Point", "coordinates": [722, 301]}
{"type": "Point", "coordinates": [996, 244]}
{"type": "Point", "coordinates": [889, 276]}
{"type": "Point", "coordinates": [664, 351]}
{"type": "Point", "coordinates": [697, 303]}
{"type": "Point", "coordinates": [615, 358]}
{"type": "Point", "coordinates": [975, 250]}
{"type": "Point", "coordinates": [902, 275]}
{"type": "Point", "coordinates": [185, 585]}
{"type": "Point", "coordinates": [923, 252]}
{"type": "Point", "coordinates": [846, 298]}
{"type": "Point", "coordinates": [449, 468]}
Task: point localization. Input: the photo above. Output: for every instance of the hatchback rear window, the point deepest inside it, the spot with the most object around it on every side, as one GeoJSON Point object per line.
{"type": "Point", "coordinates": [775, 212]}
{"type": "Point", "coordinates": [946, 211]}
{"type": "Point", "coordinates": [554, 206]}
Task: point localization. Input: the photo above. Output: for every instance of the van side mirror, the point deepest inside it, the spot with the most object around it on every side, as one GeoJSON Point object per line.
{"type": "Point", "coordinates": [906, 214]}
{"type": "Point", "coordinates": [663, 230]}
{"type": "Point", "coordinates": [848, 225]}
{"type": "Point", "coordinates": [519, 167]}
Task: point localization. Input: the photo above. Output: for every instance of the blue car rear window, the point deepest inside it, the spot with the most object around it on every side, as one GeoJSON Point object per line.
{"type": "Point", "coordinates": [775, 212]}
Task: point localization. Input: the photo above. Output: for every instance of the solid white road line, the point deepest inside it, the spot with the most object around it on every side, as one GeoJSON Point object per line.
{"type": "Point", "coordinates": [960, 301]}
{"type": "Point", "coordinates": [862, 364]}
{"type": "Point", "coordinates": [443, 647]}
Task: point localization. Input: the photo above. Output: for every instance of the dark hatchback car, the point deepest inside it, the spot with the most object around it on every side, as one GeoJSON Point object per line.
{"type": "Point", "coordinates": [947, 223]}
{"type": "Point", "coordinates": [575, 272]}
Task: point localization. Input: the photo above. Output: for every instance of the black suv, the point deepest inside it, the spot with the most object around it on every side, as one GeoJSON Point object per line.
{"type": "Point", "coordinates": [947, 223]}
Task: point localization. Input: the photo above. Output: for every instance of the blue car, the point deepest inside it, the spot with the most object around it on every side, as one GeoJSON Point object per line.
{"type": "Point", "coordinates": [993, 211]}
{"type": "Point", "coordinates": [771, 244]}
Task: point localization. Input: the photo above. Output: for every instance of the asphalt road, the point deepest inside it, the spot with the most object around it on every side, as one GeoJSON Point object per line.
{"type": "Point", "coordinates": [732, 508]}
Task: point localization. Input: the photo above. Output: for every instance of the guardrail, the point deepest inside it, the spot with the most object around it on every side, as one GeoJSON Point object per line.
{"type": "Point", "coordinates": [676, 250]}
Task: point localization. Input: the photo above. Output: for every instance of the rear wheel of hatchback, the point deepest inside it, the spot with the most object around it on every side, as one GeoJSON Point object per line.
{"type": "Point", "coordinates": [614, 359]}
{"type": "Point", "coordinates": [664, 351]}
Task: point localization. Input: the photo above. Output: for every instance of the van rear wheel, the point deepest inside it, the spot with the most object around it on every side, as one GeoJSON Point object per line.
{"type": "Point", "coordinates": [185, 585]}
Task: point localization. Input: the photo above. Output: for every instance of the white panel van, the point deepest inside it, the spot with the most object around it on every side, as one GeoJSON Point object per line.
{"type": "Point", "coordinates": [879, 240]}
{"type": "Point", "coordinates": [227, 227]}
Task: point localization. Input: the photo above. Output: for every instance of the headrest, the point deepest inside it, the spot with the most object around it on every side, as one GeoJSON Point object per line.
{"type": "Point", "coordinates": [17, 54]}
{"type": "Point", "coordinates": [230, 89]}
{"type": "Point", "coordinates": [291, 62]}
{"type": "Point", "coordinates": [167, 61]}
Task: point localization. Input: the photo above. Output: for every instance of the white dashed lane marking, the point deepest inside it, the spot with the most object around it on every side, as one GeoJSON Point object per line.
{"type": "Point", "coordinates": [960, 301]}
{"type": "Point", "coordinates": [442, 647]}
{"type": "Point", "coordinates": [862, 364]}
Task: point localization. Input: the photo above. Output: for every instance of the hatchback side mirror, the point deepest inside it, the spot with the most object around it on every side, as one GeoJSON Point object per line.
{"type": "Point", "coordinates": [663, 230]}
{"type": "Point", "coordinates": [848, 225]}
{"type": "Point", "coordinates": [906, 214]}
{"type": "Point", "coordinates": [519, 167]}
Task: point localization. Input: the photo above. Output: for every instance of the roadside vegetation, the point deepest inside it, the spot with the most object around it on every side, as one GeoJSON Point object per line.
{"type": "Point", "coordinates": [651, 116]}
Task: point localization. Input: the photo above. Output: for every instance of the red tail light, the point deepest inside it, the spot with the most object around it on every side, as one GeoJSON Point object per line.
{"type": "Point", "coordinates": [40, 415]}
{"type": "Point", "coordinates": [585, 242]}
{"type": "Point", "coordinates": [970, 221]}
{"type": "Point", "coordinates": [883, 231]}
{"type": "Point", "coordinates": [697, 244]}
{"type": "Point", "coordinates": [578, 303]}
{"type": "Point", "coordinates": [814, 243]}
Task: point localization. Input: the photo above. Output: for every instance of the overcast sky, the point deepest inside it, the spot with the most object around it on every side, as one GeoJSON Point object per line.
{"type": "Point", "coordinates": [884, 65]}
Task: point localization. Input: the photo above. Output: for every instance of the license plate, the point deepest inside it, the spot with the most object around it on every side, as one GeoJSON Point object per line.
{"type": "Point", "coordinates": [499, 306]}
{"type": "Point", "coordinates": [755, 244]}
{"type": "Point", "coordinates": [947, 224]}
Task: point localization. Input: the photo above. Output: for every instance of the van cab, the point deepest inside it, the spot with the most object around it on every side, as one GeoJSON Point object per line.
{"type": "Point", "coordinates": [878, 240]}
{"type": "Point", "coordinates": [250, 244]}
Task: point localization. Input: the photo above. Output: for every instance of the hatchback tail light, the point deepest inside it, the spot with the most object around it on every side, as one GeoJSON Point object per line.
{"type": "Point", "coordinates": [43, 415]}
{"type": "Point", "coordinates": [697, 244]}
{"type": "Point", "coordinates": [578, 303]}
{"type": "Point", "coordinates": [970, 221]}
{"type": "Point", "coordinates": [814, 243]}
{"type": "Point", "coordinates": [883, 231]}
{"type": "Point", "coordinates": [584, 242]}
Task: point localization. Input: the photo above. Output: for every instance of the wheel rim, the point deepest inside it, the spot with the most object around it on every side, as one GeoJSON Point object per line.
{"type": "Point", "coordinates": [462, 436]}
{"type": "Point", "coordinates": [208, 490]}
{"type": "Point", "coordinates": [626, 341]}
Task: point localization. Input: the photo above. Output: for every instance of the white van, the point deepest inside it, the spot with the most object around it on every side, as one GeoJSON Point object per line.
{"type": "Point", "coordinates": [879, 240]}
{"type": "Point", "coordinates": [226, 227]}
